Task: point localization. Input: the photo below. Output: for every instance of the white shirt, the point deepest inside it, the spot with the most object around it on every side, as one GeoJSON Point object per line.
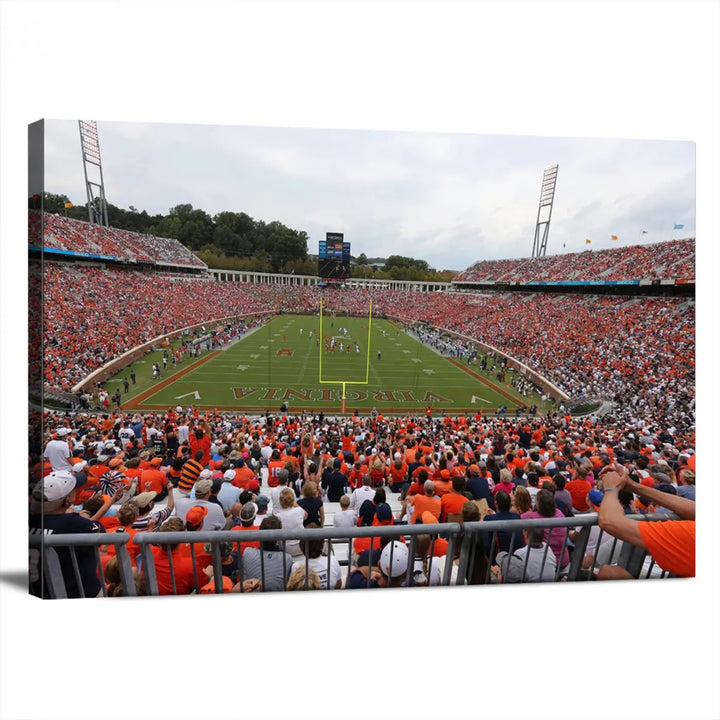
{"type": "Point", "coordinates": [275, 498]}
{"type": "Point", "coordinates": [183, 432]}
{"type": "Point", "coordinates": [126, 435]}
{"type": "Point", "coordinates": [320, 566]}
{"type": "Point", "coordinates": [58, 453]}
{"type": "Point", "coordinates": [359, 496]}
{"type": "Point", "coordinates": [433, 570]}
{"type": "Point", "coordinates": [344, 519]}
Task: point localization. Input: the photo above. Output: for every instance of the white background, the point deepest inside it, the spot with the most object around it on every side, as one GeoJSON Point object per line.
{"type": "Point", "coordinates": [628, 70]}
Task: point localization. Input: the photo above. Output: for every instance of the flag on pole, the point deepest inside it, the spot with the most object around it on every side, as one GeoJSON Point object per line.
{"type": "Point", "coordinates": [678, 227]}
{"type": "Point", "coordinates": [588, 241]}
{"type": "Point", "coordinates": [644, 232]}
{"type": "Point", "coordinates": [68, 205]}
{"type": "Point", "coordinates": [613, 237]}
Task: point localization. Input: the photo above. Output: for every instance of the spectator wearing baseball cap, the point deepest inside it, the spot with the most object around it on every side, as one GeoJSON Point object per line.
{"type": "Point", "coordinates": [215, 519]}
{"type": "Point", "coordinates": [146, 503]}
{"type": "Point", "coordinates": [229, 493]}
{"type": "Point", "coordinates": [51, 499]}
{"type": "Point", "coordinates": [274, 569]}
{"type": "Point", "coordinates": [479, 484]}
{"type": "Point", "coordinates": [194, 520]}
{"type": "Point", "coordinates": [263, 503]}
{"type": "Point", "coordinates": [153, 479]}
{"type": "Point", "coordinates": [382, 516]}
{"type": "Point", "coordinates": [248, 513]}
{"type": "Point", "coordinates": [393, 564]}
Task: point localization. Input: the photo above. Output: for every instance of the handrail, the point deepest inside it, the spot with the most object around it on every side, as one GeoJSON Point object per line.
{"type": "Point", "coordinates": [467, 533]}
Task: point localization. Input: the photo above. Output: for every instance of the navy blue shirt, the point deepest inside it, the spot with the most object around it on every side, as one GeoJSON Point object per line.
{"type": "Point", "coordinates": [479, 488]}
{"type": "Point", "coordinates": [63, 524]}
{"type": "Point", "coordinates": [504, 537]}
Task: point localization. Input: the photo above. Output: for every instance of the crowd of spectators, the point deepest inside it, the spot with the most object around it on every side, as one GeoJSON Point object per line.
{"type": "Point", "coordinates": [77, 236]}
{"type": "Point", "coordinates": [105, 472]}
{"type": "Point", "coordinates": [637, 353]}
{"type": "Point", "coordinates": [674, 259]}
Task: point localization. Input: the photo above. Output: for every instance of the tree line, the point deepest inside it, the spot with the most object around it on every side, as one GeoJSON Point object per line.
{"type": "Point", "coordinates": [235, 241]}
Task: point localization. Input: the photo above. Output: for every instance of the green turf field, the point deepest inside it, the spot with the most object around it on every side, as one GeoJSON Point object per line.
{"type": "Point", "coordinates": [282, 362]}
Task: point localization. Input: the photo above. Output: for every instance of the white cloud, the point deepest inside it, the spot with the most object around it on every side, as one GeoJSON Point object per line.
{"type": "Point", "coordinates": [393, 193]}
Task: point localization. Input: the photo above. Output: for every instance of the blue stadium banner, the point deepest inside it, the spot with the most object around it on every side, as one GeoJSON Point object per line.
{"type": "Point", "coordinates": [322, 249]}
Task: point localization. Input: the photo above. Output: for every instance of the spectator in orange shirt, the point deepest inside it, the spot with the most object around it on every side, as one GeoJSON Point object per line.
{"type": "Point", "coordinates": [243, 474]}
{"type": "Point", "coordinates": [182, 568]}
{"type": "Point", "coordinates": [127, 514]}
{"type": "Point", "coordinates": [671, 542]}
{"type": "Point", "coordinates": [275, 465]}
{"type": "Point", "coordinates": [453, 501]}
{"type": "Point", "coordinates": [154, 480]}
{"type": "Point", "coordinates": [428, 501]}
{"type": "Point", "coordinates": [580, 486]}
{"type": "Point", "coordinates": [200, 441]}
{"type": "Point", "coordinates": [248, 513]}
{"type": "Point", "coordinates": [398, 474]}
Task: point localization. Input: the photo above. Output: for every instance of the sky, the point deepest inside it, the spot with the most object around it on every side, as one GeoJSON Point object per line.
{"type": "Point", "coordinates": [447, 198]}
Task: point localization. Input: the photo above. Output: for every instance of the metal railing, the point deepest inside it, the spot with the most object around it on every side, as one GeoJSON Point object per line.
{"type": "Point", "coordinates": [470, 547]}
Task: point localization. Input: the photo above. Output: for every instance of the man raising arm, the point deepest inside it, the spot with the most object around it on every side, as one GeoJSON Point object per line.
{"type": "Point", "coordinates": [670, 542]}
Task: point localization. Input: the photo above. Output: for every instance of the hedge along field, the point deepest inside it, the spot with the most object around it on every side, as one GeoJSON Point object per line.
{"type": "Point", "coordinates": [281, 363]}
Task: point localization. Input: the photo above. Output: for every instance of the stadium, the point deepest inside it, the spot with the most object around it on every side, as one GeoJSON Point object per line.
{"type": "Point", "coordinates": [333, 417]}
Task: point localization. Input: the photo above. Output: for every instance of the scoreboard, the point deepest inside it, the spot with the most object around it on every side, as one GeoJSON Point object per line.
{"type": "Point", "coordinates": [334, 257]}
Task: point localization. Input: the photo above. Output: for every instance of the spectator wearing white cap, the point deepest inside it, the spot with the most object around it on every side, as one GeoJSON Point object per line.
{"type": "Point", "coordinates": [57, 451]}
{"type": "Point", "coordinates": [393, 564]}
{"type": "Point", "coordinates": [228, 494]}
{"type": "Point", "coordinates": [51, 499]}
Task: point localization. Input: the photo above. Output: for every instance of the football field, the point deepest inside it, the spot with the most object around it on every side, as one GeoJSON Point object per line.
{"type": "Point", "coordinates": [376, 364]}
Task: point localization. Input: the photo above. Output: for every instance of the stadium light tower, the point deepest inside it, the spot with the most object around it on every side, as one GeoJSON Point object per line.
{"type": "Point", "coordinates": [547, 195]}
{"type": "Point", "coordinates": [96, 203]}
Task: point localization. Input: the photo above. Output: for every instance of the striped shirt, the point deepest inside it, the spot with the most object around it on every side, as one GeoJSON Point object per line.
{"type": "Point", "coordinates": [189, 474]}
{"type": "Point", "coordinates": [160, 517]}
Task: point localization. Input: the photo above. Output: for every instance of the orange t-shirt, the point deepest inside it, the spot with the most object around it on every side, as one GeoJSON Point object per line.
{"type": "Point", "coordinates": [243, 476]}
{"type": "Point", "coordinates": [132, 548]}
{"type": "Point", "coordinates": [202, 558]}
{"type": "Point", "coordinates": [398, 475]}
{"type": "Point", "coordinates": [152, 480]}
{"type": "Point", "coordinates": [274, 468]}
{"type": "Point", "coordinates": [247, 543]}
{"type": "Point", "coordinates": [442, 485]}
{"type": "Point", "coordinates": [451, 503]}
{"type": "Point", "coordinates": [579, 489]}
{"type": "Point", "coordinates": [672, 545]}
{"type": "Point", "coordinates": [423, 503]}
